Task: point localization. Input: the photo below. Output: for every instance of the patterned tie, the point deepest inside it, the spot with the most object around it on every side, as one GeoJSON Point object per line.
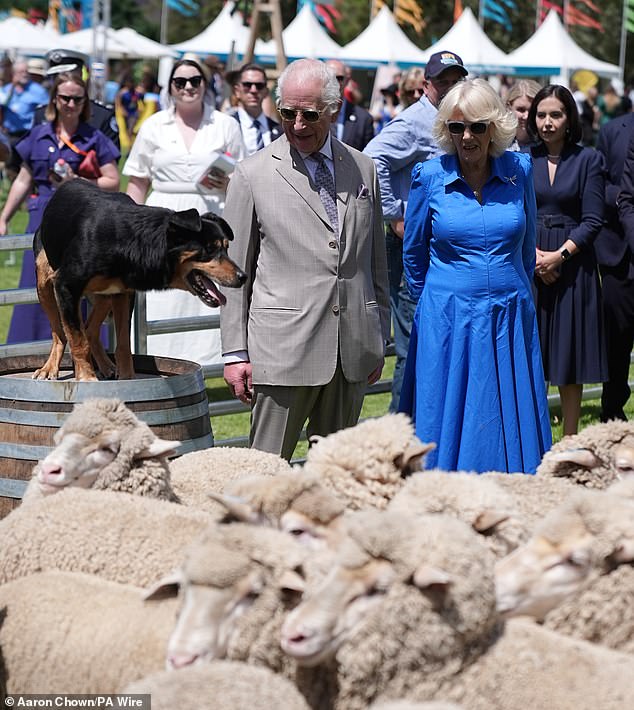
{"type": "Point", "coordinates": [326, 186]}
{"type": "Point", "coordinates": [260, 140]}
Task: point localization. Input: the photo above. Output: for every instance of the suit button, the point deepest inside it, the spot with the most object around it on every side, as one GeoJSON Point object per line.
{"type": "Point", "coordinates": [332, 245]}
{"type": "Point", "coordinates": [335, 310]}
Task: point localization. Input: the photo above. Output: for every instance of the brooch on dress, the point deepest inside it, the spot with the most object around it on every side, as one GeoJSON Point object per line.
{"type": "Point", "coordinates": [512, 180]}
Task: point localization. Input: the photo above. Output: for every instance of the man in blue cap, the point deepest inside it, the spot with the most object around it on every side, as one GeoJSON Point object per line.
{"type": "Point", "coordinates": [403, 142]}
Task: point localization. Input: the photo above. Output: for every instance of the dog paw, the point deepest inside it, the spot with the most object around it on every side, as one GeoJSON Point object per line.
{"type": "Point", "coordinates": [45, 374]}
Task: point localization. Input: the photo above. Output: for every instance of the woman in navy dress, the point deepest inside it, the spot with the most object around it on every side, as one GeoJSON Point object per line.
{"type": "Point", "coordinates": [67, 112]}
{"type": "Point", "coordinates": [474, 382]}
{"type": "Point", "coordinates": [569, 185]}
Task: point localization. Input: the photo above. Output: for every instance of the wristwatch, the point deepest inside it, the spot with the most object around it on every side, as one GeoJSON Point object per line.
{"type": "Point", "coordinates": [565, 254]}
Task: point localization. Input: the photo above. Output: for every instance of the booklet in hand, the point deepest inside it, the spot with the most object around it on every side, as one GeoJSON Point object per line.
{"type": "Point", "coordinates": [219, 163]}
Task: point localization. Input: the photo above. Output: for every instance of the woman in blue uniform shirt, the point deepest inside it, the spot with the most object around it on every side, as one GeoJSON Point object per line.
{"type": "Point", "coordinates": [474, 382]}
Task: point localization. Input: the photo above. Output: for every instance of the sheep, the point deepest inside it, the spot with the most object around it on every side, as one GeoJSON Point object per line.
{"type": "Point", "coordinates": [366, 465]}
{"type": "Point", "coordinates": [199, 473]}
{"type": "Point", "coordinates": [408, 611]}
{"type": "Point", "coordinates": [575, 574]}
{"type": "Point", "coordinates": [117, 536]}
{"type": "Point", "coordinates": [295, 502]}
{"type": "Point", "coordinates": [235, 584]}
{"type": "Point", "coordinates": [65, 632]}
{"type": "Point", "coordinates": [533, 496]}
{"type": "Point", "coordinates": [103, 445]}
{"type": "Point", "coordinates": [479, 502]}
{"type": "Point", "coordinates": [595, 457]}
{"type": "Point", "coordinates": [221, 684]}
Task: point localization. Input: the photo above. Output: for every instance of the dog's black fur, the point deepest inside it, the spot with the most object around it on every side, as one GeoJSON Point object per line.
{"type": "Point", "coordinates": [104, 244]}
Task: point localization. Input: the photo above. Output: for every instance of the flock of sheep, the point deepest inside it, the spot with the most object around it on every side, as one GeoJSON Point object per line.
{"type": "Point", "coordinates": [228, 579]}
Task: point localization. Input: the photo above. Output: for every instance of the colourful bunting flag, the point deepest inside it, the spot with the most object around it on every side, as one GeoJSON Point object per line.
{"type": "Point", "coordinates": [457, 10]}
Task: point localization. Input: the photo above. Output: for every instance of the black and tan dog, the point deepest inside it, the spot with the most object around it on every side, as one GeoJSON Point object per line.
{"type": "Point", "coordinates": [106, 246]}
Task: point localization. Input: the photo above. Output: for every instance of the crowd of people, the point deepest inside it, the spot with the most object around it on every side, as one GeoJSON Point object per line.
{"type": "Point", "coordinates": [479, 229]}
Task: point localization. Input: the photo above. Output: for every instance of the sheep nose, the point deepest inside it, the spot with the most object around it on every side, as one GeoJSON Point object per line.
{"type": "Point", "coordinates": [50, 469]}
{"type": "Point", "coordinates": [180, 660]}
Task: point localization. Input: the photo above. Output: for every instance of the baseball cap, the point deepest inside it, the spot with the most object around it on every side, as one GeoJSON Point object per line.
{"type": "Point", "coordinates": [36, 66]}
{"type": "Point", "coordinates": [440, 61]}
{"type": "Point", "coordinates": [61, 60]}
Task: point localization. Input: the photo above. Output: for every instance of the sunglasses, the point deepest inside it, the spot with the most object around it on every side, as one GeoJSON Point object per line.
{"type": "Point", "coordinates": [180, 82]}
{"type": "Point", "coordinates": [310, 115]}
{"type": "Point", "coordinates": [457, 128]}
{"type": "Point", "coordinates": [67, 99]}
{"type": "Point", "coordinates": [259, 85]}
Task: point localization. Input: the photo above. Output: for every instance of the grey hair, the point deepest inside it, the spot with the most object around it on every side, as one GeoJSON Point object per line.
{"type": "Point", "coordinates": [477, 100]}
{"type": "Point", "coordinates": [313, 69]}
{"type": "Point", "coordinates": [523, 87]}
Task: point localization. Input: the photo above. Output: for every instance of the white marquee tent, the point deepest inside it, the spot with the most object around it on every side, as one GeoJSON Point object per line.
{"type": "Point", "coordinates": [551, 42]}
{"type": "Point", "coordinates": [304, 37]}
{"type": "Point", "coordinates": [144, 46]}
{"type": "Point", "coordinates": [382, 42]}
{"type": "Point", "coordinates": [477, 51]}
{"type": "Point", "coordinates": [18, 36]}
{"type": "Point", "coordinates": [120, 44]}
{"type": "Point", "coordinates": [224, 36]}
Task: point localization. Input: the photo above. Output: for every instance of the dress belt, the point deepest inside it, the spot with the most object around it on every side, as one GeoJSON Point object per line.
{"type": "Point", "coordinates": [180, 187]}
{"type": "Point", "coordinates": [555, 220]}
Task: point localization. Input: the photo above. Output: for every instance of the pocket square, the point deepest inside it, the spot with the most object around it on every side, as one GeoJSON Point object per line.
{"type": "Point", "coordinates": [363, 192]}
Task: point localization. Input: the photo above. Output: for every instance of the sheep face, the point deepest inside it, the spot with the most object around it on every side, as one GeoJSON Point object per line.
{"type": "Point", "coordinates": [313, 631]}
{"type": "Point", "coordinates": [311, 533]}
{"type": "Point", "coordinates": [533, 579]}
{"type": "Point", "coordinates": [76, 460]}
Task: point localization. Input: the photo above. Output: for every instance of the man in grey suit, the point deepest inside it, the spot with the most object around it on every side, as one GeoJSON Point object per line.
{"type": "Point", "coordinates": [306, 334]}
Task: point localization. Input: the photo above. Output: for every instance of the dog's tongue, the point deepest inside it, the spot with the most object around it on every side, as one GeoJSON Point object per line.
{"type": "Point", "coordinates": [213, 291]}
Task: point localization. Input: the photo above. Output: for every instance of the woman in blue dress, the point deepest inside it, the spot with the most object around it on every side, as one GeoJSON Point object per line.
{"type": "Point", "coordinates": [41, 148]}
{"type": "Point", "coordinates": [570, 190]}
{"type": "Point", "coordinates": [474, 382]}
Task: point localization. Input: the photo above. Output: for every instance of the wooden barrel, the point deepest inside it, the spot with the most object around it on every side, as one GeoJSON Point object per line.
{"type": "Point", "coordinates": [168, 394]}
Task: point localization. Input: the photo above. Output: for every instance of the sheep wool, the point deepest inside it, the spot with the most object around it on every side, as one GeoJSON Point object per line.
{"type": "Point", "coordinates": [73, 633]}
{"type": "Point", "coordinates": [199, 473]}
{"type": "Point", "coordinates": [588, 458]}
{"type": "Point", "coordinates": [366, 465]}
{"type": "Point", "coordinates": [117, 536]}
{"type": "Point", "coordinates": [479, 502]}
{"type": "Point", "coordinates": [220, 684]}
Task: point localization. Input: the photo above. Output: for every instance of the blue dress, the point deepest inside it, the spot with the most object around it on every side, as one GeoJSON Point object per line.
{"type": "Point", "coordinates": [569, 311]}
{"type": "Point", "coordinates": [40, 151]}
{"type": "Point", "coordinates": [474, 382]}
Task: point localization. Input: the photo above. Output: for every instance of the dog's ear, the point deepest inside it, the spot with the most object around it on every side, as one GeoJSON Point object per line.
{"type": "Point", "coordinates": [186, 219]}
{"type": "Point", "coordinates": [213, 220]}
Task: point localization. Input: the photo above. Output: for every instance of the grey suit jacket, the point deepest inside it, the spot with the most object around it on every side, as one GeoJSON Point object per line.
{"type": "Point", "coordinates": [309, 296]}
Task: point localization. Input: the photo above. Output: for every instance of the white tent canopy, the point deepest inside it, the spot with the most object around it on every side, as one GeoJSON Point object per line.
{"type": "Point", "coordinates": [145, 47]}
{"type": "Point", "coordinates": [19, 36]}
{"type": "Point", "coordinates": [552, 46]}
{"type": "Point", "coordinates": [382, 42]}
{"type": "Point", "coordinates": [226, 34]}
{"type": "Point", "coordinates": [304, 37]}
{"type": "Point", "coordinates": [469, 41]}
{"type": "Point", "coordinates": [84, 41]}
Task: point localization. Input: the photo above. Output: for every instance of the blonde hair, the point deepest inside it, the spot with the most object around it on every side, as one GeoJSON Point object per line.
{"type": "Point", "coordinates": [477, 100]}
{"type": "Point", "coordinates": [522, 87]}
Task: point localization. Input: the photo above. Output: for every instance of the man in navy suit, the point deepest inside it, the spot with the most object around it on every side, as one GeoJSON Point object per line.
{"type": "Point", "coordinates": [614, 248]}
{"type": "Point", "coordinates": [354, 125]}
{"type": "Point", "coordinates": [258, 130]}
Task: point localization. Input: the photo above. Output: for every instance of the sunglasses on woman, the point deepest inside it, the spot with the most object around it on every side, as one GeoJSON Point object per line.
{"type": "Point", "coordinates": [310, 115]}
{"type": "Point", "coordinates": [458, 127]}
{"type": "Point", "coordinates": [67, 99]}
{"type": "Point", "coordinates": [180, 82]}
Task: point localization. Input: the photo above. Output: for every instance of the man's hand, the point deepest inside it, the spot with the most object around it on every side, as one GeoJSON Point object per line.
{"type": "Point", "coordinates": [238, 376]}
{"type": "Point", "coordinates": [376, 373]}
{"type": "Point", "coordinates": [398, 227]}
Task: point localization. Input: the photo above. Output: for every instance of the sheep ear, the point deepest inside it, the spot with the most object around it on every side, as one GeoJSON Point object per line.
{"type": "Point", "coordinates": [236, 507]}
{"type": "Point", "coordinates": [582, 457]}
{"type": "Point", "coordinates": [426, 577]}
{"type": "Point", "coordinates": [159, 447]}
{"type": "Point", "coordinates": [291, 581]}
{"type": "Point", "coordinates": [624, 553]}
{"type": "Point", "coordinates": [165, 588]}
{"type": "Point", "coordinates": [489, 519]}
{"type": "Point", "coordinates": [411, 460]}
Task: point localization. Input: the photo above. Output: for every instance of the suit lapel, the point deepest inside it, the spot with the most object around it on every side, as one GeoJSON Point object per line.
{"type": "Point", "coordinates": [344, 174]}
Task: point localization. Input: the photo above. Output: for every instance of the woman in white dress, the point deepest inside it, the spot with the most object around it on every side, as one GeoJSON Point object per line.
{"type": "Point", "coordinates": [172, 150]}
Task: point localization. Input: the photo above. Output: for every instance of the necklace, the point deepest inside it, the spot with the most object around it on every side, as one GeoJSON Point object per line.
{"type": "Point", "coordinates": [555, 158]}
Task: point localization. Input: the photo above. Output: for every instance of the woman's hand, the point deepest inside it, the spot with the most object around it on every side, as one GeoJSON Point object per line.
{"type": "Point", "coordinates": [216, 180]}
{"type": "Point", "coordinates": [548, 266]}
{"type": "Point", "coordinates": [4, 227]}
